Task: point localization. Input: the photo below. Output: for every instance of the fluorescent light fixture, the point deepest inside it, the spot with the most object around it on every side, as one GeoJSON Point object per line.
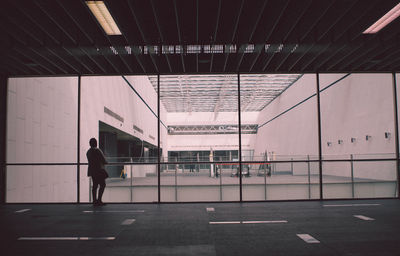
{"type": "Point", "coordinates": [103, 16]}
{"type": "Point", "coordinates": [385, 20]}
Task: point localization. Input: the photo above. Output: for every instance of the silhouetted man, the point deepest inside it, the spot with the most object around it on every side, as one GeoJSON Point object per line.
{"type": "Point", "coordinates": [96, 170]}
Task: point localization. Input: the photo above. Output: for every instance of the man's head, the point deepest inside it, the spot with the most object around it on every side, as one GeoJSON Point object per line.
{"type": "Point", "coordinates": [93, 142]}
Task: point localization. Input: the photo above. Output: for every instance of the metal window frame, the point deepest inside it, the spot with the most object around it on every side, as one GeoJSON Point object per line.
{"type": "Point", "coordinates": [240, 162]}
{"type": "Point", "coordinates": [3, 137]}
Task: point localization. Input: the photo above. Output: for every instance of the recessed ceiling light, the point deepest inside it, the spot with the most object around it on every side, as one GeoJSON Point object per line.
{"type": "Point", "coordinates": [103, 16]}
{"type": "Point", "coordinates": [385, 20]}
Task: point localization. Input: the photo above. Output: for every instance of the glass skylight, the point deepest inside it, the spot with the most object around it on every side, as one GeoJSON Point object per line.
{"type": "Point", "coordinates": [219, 93]}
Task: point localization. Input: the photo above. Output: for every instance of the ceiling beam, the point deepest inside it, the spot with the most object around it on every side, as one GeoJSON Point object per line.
{"type": "Point", "coordinates": [393, 65]}
{"type": "Point", "coordinates": [254, 27]}
{"type": "Point", "coordinates": [93, 59]}
{"type": "Point", "coordinates": [63, 59]}
{"type": "Point", "coordinates": [395, 56]}
{"type": "Point", "coordinates": [84, 32]}
{"type": "Point", "coordinates": [318, 20]}
{"type": "Point", "coordinates": [234, 33]}
{"type": "Point", "coordinates": [7, 70]}
{"type": "Point", "coordinates": [50, 35]}
{"type": "Point", "coordinates": [108, 52]}
{"type": "Point", "coordinates": [79, 61]}
{"type": "Point", "coordinates": [83, 10]}
{"type": "Point", "coordinates": [338, 50]}
{"type": "Point", "coordinates": [65, 32]}
{"type": "Point", "coordinates": [215, 34]}
{"type": "Point", "coordinates": [389, 59]}
{"type": "Point", "coordinates": [342, 34]}
{"type": "Point", "coordinates": [285, 57]}
{"type": "Point", "coordinates": [77, 24]}
{"type": "Point", "coordinates": [309, 62]}
{"type": "Point", "coordinates": [296, 22]}
{"type": "Point", "coordinates": [306, 49]}
{"type": "Point", "coordinates": [35, 61]}
{"type": "Point", "coordinates": [49, 60]}
{"type": "Point", "coordinates": [13, 55]}
{"type": "Point", "coordinates": [267, 37]}
{"type": "Point", "coordinates": [338, 18]}
{"type": "Point", "coordinates": [271, 32]}
{"type": "Point", "coordinates": [142, 33]}
{"type": "Point", "coordinates": [125, 36]}
{"type": "Point", "coordinates": [15, 64]}
{"type": "Point", "coordinates": [45, 31]}
{"type": "Point", "coordinates": [374, 43]}
{"type": "Point", "coordinates": [27, 54]}
{"type": "Point", "coordinates": [126, 33]}
{"type": "Point", "coordinates": [372, 52]}
{"type": "Point", "coordinates": [153, 7]}
{"type": "Point", "coordinates": [305, 35]}
{"type": "Point", "coordinates": [178, 27]}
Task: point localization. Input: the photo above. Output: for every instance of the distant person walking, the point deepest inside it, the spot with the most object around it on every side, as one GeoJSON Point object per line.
{"type": "Point", "coordinates": [96, 170]}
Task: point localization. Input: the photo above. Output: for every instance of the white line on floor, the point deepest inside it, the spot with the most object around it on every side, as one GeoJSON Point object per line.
{"type": "Point", "coordinates": [23, 210]}
{"type": "Point", "coordinates": [210, 209]}
{"type": "Point", "coordinates": [65, 238]}
{"type": "Point", "coordinates": [308, 239]}
{"type": "Point", "coordinates": [362, 217]}
{"type": "Point", "coordinates": [224, 222]}
{"type": "Point", "coordinates": [133, 211]}
{"type": "Point", "coordinates": [128, 222]}
{"type": "Point", "coordinates": [348, 205]}
{"type": "Point", "coordinates": [98, 238]}
{"type": "Point", "coordinates": [249, 222]}
{"type": "Point", "coordinates": [263, 221]}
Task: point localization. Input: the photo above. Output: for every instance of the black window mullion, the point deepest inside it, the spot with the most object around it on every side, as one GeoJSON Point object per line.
{"type": "Point", "coordinates": [3, 137]}
{"type": "Point", "coordinates": [158, 140]}
{"type": "Point", "coordinates": [78, 164]}
{"type": "Point", "coordinates": [396, 131]}
{"type": "Point", "coordinates": [319, 138]}
{"type": "Point", "coordinates": [240, 141]}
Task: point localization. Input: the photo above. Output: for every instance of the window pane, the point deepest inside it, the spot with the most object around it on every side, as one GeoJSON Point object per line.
{"type": "Point", "coordinates": [357, 124]}
{"type": "Point", "coordinates": [282, 108]}
{"type": "Point", "coordinates": [202, 121]}
{"type": "Point", "coordinates": [121, 113]}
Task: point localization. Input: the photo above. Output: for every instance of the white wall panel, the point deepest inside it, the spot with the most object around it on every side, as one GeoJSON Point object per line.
{"type": "Point", "coordinates": [41, 129]}
{"type": "Point", "coordinates": [359, 105]}
{"type": "Point", "coordinates": [295, 132]}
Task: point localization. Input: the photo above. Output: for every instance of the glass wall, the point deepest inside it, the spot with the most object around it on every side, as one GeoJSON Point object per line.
{"type": "Point", "coordinates": [284, 109]}
{"type": "Point", "coordinates": [121, 113]}
{"type": "Point", "coordinates": [358, 143]}
{"type": "Point", "coordinates": [202, 118]}
{"type": "Point", "coordinates": [42, 133]}
{"type": "Point", "coordinates": [199, 137]}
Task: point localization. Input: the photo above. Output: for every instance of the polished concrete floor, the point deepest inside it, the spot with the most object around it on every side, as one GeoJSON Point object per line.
{"type": "Point", "coordinates": [362, 227]}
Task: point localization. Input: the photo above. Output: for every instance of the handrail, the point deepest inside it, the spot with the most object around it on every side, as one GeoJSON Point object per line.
{"type": "Point", "coordinates": [215, 162]}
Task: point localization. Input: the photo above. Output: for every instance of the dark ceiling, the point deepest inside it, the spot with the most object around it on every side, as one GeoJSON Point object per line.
{"type": "Point", "coordinates": [62, 37]}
